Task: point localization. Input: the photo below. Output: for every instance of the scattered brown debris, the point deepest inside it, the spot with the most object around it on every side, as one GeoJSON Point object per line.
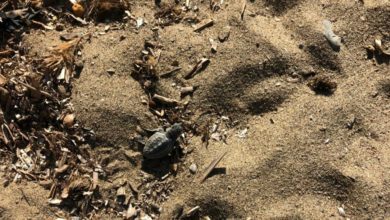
{"type": "Point", "coordinates": [107, 9]}
{"type": "Point", "coordinates": [215, 5]}
{"type": "Point", "coordinates": [378, 51]}
{"type": "Point", "coordinates": [169, 14]}
{"type": "Point", "coordinates": [210, 168]}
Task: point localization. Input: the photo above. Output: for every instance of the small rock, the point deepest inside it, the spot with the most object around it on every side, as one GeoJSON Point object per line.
{"type": "Point", "coordinates": [60, 27]}
{"type": "Point", "coordinates": [341, 211]}
{"type": "Point", "coordinates": [146, 217]}
{"type": "Point", "coordinates": [224, 35]}
{"type": "Point", "coordinates": [214, 45]}
{"type": "Point", "coordinates": [111, 71]}
{"type": "Point", "coordinates": [243, 133]}
{"type": "Point", "coordinates": [62, 91]}
{"type": "Point", "coordinates": [193, 168]}
{"type": "Point", "coordinates": [140, 22]}
{"type": "Point", "coordinates": [68, 37]}
{"type": "Point", "coordinates": [177, 211]}
{"type": "Point", "coordinates": [107, 28]}
{"type": "Point", "coordinates": [69, 120]}
{"type": "Point", "coordinates": [5, 183]}
{"type": "Point", "coordinates": [307, 72]}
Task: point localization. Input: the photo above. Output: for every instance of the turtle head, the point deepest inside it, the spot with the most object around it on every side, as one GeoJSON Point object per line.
{"type": "Point", "coordinates": [174, 131]}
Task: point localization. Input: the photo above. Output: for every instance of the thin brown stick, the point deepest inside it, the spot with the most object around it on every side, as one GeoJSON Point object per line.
{"type": "Point", "coordinates": [164, 100]}
{"type": "Point", "coordinates": [170, 72]}
{"type": "Point", "coordinates": [243, 7]}
{"type": "Point", "coordinates": [24, 196]}
{"type": "Point", "coordinates": [212, 165]}
{"type": "Point", "coordinates": [37, 90]}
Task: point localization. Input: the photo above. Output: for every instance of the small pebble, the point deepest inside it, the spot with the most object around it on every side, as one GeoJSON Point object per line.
{"type": "Point", "coordinates": [111, 71]}
{"type": "Point", "coordinates": [193, 168]}
{"type": "Point", "coordinates": [341, 211]}
{"type": "Point", "coordinates": [60, 27]}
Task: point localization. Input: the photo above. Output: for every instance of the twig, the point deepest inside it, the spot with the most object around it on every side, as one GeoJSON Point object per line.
{"type": "Point", "coordinates": [243, 10]}
{"type": "Point", "coordinates": [24, 197]}
{"type": "Point", "coordinates": [37, 90]}
{"type": "Point", "coordinates": [82, 21]}
{"type": "Point", "coordinates": [167, 74]}
{"type": "Point", "coordinates": [42, 25]}
{"type": "Point", "coordinates": [164, 100]}
{"type": "Point", "coordinates": [203, 24]}
{"type": "Point", "coordinates": [200, 66]}
{"type": "Point", "coordinates": [212, 165]}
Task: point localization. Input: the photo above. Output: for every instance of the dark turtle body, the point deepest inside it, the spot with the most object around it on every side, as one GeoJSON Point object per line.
{"type": "Point", "coordinates": [160, 144]}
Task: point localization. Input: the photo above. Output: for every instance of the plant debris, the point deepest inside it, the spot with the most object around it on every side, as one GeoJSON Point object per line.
{"type": "Point", "coordinates": [169, 14]}
{"type": "Point", "coordinates": [210, 168]}
{"type": "Point", "coordinates": [200, 66]}
{"type": "Point", "coordinates": [333, 39]}
{"type": "Point", "coordinates": [203, 24]}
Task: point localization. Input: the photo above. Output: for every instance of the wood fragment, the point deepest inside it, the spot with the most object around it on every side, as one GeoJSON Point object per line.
{"type": "Point", "coordinates": [46, 183]}
{"type": "Point", "coordinates": [95, 180]}
{"type": "Point", "coordinates": [134, 189]}
{"type": "Point", "coordinates": [170, 72]}
{"type": "Point", "coordinates": [3, 80]}
{"type": "Point", "coordinates": [131, 212]}
{"type": "Point", "coordinates": [24, 197]}
{"type": "Point", "coordinates": [7, 135]}
{"type": "Point", "coordinates": [54, 201]}
{"type": "Point", "coordinates": [214, 45]}
{"type": "Point", "coordinates": [164, 100]}
{"type": "Point", "coordinates": [42, 25]}
{"type": "Point", "coordinates": [210, 168]}
{"type": "Point", "coordinates": [200, 66]}
{"type": "Point", "coordinates": [61, 169]}
{"type": "Point", "coordinates": [190, 213]}
{"type": "Point", "coordinates": [378, 46]}
{"type": "Point", "coordinates": [82, 21]}
{"type": "Point", "coordinates": [36, 90]}
{"type": "Point", "coordinates": [7, 53]}
{"type": "Point", "coordinates": [184, 91]}
{"type": "Point", "coordinates": [243, 7]}
{"type": "Point", "coordinates": [203, 24]}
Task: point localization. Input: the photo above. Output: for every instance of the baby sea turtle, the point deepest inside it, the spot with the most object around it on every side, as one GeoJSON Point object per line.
{"type": "Point", "coordinates": [161, 143]}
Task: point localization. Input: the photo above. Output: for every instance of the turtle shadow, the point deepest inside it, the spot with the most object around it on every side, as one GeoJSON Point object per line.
{"type": "Point", "coordinates": [162, 166]}
{"type": "Point", "coordinates": [157, 167]}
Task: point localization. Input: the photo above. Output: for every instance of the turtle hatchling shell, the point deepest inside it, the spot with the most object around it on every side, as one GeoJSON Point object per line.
{"type": "Point", "coordinates": [158, 146]}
